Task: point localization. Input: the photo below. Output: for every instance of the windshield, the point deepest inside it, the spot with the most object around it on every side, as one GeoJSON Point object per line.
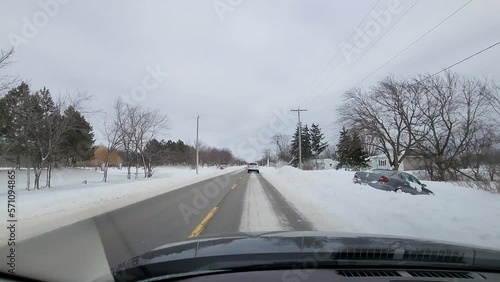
{"type": "Point", "coordinates": [126, 126]}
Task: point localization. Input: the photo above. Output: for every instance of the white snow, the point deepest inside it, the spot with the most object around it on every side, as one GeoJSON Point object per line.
{"type": "Point", "coordinates": [332, 202]}
{"type": "Point", "coordinates": [70, 201]}
{"type": "Point", "coordinates": [74, 177]}
{"type": "Point", "coordinates": [258, 214]}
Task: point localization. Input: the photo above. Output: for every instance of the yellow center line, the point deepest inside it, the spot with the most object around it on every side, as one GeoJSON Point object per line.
{"type": "Point", "coordinates": [202, 224]}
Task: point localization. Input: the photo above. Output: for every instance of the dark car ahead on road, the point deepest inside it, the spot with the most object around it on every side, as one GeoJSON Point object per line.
{"type": "Point", "coordinates": [391, 180]}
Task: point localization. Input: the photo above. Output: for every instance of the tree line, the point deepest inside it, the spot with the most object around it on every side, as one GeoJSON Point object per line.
{"type": "Point", "coordinates": [312, 145]}
{"type": "Point", "coordinates": [133, 131]}
{"type": "Point", "coordinates": [451, 121]}
{"type": "Point", "coordinates": [38, 131]}
{"type": "Point", "coordinates": [179, 153]}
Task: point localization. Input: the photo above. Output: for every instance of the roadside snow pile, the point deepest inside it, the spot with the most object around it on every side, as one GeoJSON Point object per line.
{"type": "Point", "coordinates": [74, 177]}
{"type": "Point", "coordinates": [43, 210]}
{"type": "Point", "coordinates": [332, 202]}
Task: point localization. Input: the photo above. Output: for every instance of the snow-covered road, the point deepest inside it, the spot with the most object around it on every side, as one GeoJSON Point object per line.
{"type": "Point", "coordinates": [258, 213]}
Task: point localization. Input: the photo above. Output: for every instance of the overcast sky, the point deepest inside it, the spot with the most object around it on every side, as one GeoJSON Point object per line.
{"type": "Point", "coordinates": [239, 64]}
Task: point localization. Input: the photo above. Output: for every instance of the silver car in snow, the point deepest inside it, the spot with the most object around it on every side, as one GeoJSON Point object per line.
{"type": "Point", "coordinates": [391, 180]}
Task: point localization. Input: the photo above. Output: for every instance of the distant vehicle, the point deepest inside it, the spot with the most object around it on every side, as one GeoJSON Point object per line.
{"type": "Point", "coordinates": [253, 167]}
{"type": "Point", "coordinates": [391, 180]}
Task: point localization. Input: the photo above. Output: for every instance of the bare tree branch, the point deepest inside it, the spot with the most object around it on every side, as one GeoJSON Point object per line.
{"type": "Point", "coordinates": [6, 81]}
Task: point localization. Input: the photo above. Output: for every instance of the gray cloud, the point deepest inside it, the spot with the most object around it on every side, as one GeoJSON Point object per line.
{"type": "Point", "coordinates": [234, 72]}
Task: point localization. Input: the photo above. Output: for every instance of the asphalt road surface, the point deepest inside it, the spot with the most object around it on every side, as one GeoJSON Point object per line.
{"type": "Point", "coordinates": [229, 204]}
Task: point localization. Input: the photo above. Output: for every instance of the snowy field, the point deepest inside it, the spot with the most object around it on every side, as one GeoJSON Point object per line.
{"type": "Point", "coordinates": [332, 202]}
{"type": "Point", "coordinates": [70, 201]}
{"type": "Point", "coordinates": [74, 177]}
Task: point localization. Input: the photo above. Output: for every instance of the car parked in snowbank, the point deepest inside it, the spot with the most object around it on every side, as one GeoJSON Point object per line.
{"type": "Point", "coordinates": [391, 180]}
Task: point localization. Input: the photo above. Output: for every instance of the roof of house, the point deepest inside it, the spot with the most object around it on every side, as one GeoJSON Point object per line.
{"type": "Point", "coordinates": [410, 153]}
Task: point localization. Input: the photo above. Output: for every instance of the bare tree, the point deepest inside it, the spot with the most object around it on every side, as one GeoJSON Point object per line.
{"type": "Point", "coordinates": [495, 102]}
{"type": "Point", "coordinates": [136, 127]}
{"type": "Point", "coordinates": [283, 146]}
{"type": "Point", "coordinates": [60, 124]}
{"type": "Point", "coordinates": [370, 143]}
{"type": "Point", "coordinates": [6, 81]}
{"type": "Point", "coordinates": [454, 109]}
{"type": "Point", "coordinates": [150, 124]}
{"type": "Point", "coordinates": [111, 132]}
{"type": "Point", "coordinates": [126, 117]}
{"type": "Point", "coordinates": [492, 163]}
{"type": "Point", "coordinates": [384, 116]}
{"type": "Point", "coordinates": [267, 155]}
{"type": "Point", "coordinates": [45, 126]}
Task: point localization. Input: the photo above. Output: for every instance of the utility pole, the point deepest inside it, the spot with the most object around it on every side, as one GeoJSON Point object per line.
{"type": "Point", "coordinates": [197, 144]}
{"type": "Point", "coordinates": [298, 110]}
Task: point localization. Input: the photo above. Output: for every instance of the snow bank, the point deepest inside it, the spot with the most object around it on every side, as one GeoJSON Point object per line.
{"type": "Point", "coordinates": [332, 202]}
{"type": "Point", "coordinates": [70, 201]}
{"type": "Point", "coordinates": [74, 177]}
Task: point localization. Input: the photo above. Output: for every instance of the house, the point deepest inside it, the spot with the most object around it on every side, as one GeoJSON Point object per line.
{"type": "Point", "coordinates": [379, 162]}
{"type": "Point", "coordinates": [322, 164]}
{"type": "Point", "coordinates": [411, 162]}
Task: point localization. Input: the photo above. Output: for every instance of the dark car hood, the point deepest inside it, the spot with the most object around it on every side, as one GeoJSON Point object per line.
{"type": "Point", "coordinates": [340, 247]}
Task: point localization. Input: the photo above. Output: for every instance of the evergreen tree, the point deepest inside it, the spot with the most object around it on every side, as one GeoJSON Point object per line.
{"type": "Point", "coordinates": [317, 144]}
{"type": "Point", "coordinates": [14, 110]}
{"type": "Point", "coordinates": [350, 150]}
{"type": "Point", "coordinates": [343, 149]}
{"type": "Point", "coordinates": [306, 145]}
{"type": "Point", "coordinates": [77, 139]}
{"type": "Point", "coordinates": [295, 147]}
{"type": "Point", "coordinates": [358, 155]}
{"type": "Point", "coordinates": [154, 151]}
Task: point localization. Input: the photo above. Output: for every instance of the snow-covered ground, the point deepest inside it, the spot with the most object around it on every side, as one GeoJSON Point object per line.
{"type": "Point", "coordinates": [74, 177]}
{"type": "Point", "coordinates": [70, 201]}
{"type": "Point", "coordinates": [332, 202]}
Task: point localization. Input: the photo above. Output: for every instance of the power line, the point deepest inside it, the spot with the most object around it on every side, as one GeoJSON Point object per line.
{"type": "Point", "coordinates": [375, 21]}
{"type": "Point", "coordinates": [389, 29]}
{"type": "Point", "coordinates": [461, 61]}
{"type": "Point", "coordinates": [340, 76]}
{"type": "Point", "coordinates": [413, 43]}
{"type": "Point", "coordinates": [343, 45]}
{"type": "Point", "coordinates": [410, 45]}
{"type": "Point", "coordinates": [447, 68]}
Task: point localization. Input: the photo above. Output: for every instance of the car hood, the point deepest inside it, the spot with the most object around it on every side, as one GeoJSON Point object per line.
{"type": "Point", "coordinates": [241, 248]}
